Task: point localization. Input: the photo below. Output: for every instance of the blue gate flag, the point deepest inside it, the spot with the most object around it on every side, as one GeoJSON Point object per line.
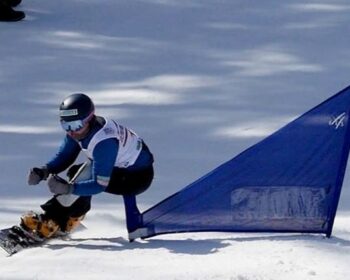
{"type": "Point", "coordinates": [289, 182]}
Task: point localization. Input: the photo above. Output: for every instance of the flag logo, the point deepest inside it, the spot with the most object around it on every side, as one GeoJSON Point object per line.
{"type": "Point", "coordinates": [338, 121]}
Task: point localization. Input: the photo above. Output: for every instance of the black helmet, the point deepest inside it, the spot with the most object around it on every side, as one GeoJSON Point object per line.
{"type": "Point", "coordinates": [77, 106]}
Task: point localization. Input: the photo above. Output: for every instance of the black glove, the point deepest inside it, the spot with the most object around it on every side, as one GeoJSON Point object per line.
{"type": "Point", "coordinates": [57, 185]}
{"type": "Point", "coordinates": [37, 174]}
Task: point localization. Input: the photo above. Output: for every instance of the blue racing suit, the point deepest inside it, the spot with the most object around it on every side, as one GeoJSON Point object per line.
{"type": "Point", "coordinates": [103, 160]}
{"type": "Point", "coordinates": [120, 163]}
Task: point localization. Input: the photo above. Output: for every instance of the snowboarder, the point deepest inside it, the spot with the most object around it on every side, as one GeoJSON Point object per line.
{"type": "Point", "coordinates": [7, 13]}
{"type": "Point", "coordinates": [119, 162]}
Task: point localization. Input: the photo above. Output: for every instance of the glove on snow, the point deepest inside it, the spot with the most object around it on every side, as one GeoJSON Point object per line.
{"type": "Point", "coordinates": [37, 174]}
{"type": "Point", "coordinates": [57, 185]}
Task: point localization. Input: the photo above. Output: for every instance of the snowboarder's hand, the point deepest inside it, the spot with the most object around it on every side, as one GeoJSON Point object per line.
{"type": "Point", "coordinates": [37, 174]}
{"type": "Point", "coordinates": [57, 185]}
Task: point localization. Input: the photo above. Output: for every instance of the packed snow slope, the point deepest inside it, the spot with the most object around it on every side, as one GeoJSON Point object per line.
{"type": "Point", "coordinates": [200, 81]}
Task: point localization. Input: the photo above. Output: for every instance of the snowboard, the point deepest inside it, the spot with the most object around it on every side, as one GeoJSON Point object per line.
{"type": "Point", "coordinates": [16, 238]}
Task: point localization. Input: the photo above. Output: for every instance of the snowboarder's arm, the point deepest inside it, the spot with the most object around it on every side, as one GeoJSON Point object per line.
{"type": "Point", "coordinates": [66, 155]}
{"type": "Point", "coordinates": [105, 154]}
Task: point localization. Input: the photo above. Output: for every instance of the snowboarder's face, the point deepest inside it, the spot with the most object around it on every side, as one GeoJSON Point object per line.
{"type": "Point", "coordinates": [77, 129]}
{"type": "Point", "coordinates": [81, 133]}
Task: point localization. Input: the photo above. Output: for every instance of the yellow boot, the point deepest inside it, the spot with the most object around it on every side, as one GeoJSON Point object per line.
{"type": "Point", "coordinates": [37, 224]}
{"type": "Point", "coordinates": [73, 223]}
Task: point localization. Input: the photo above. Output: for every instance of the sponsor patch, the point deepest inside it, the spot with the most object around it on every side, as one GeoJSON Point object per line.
{"type": "Point", "coordinates": [108, 130]}
{"type": "Point", "coordinates": [68, 113]}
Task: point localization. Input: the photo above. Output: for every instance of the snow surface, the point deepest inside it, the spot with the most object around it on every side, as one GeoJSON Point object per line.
{"type": "Point", "coordinates": [200, 80]}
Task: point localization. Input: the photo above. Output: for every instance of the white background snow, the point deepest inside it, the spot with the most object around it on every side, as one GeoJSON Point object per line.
{"type": "Point", "coordinates": [200, 81]}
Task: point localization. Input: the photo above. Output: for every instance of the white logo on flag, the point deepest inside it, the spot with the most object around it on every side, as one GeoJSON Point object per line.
{"type": "Point", "coordinates": [338, 121]}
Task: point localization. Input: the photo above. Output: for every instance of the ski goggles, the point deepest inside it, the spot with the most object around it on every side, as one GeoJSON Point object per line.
{"type": "Point", "coordinates": [73, 126]}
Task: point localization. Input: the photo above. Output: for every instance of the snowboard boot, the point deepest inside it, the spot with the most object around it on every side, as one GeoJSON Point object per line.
{"type": "Point", "coordinates": [9, 14]}
{"type": "Point", "coordinates": [73, 223]}
{"type": "Point", "coordinates": [37, 223]}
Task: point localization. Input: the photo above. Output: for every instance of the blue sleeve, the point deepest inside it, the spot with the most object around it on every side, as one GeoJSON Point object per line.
{"type": "Point", "coordinates": [104, 156]}
{"type": "Point", "coordinates": [66, 155]}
